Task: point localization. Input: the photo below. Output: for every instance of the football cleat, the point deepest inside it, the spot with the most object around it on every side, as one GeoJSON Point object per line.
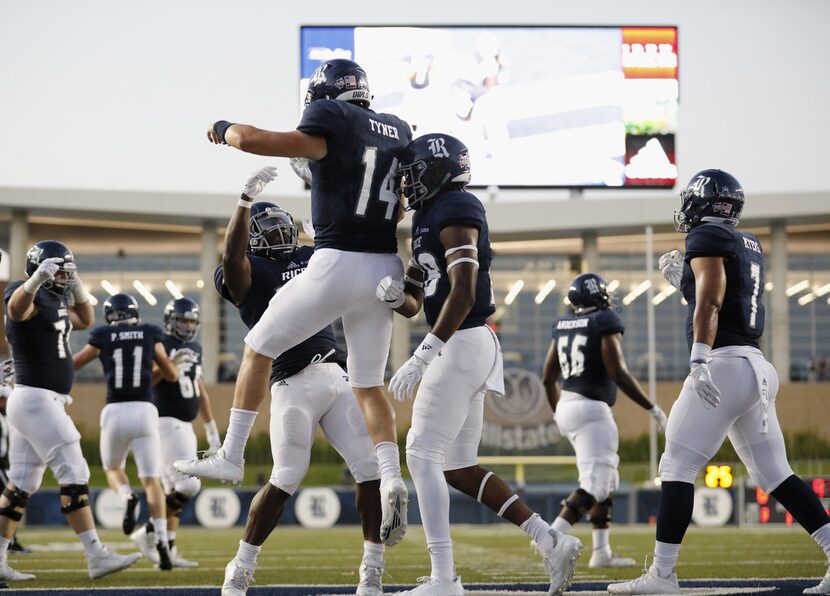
{"type": "Point", "coordinates": [650, 582]}
{"type": "Point", "coordinates": [393, 500]}
{"type": "Point", "coordinates": [214, 466]}
{"type": "Point", "coordinates": [371, 581]}
{"type": "Point", "coordinates": [109, 562]}
{"type": "Point", "coordinates": [560, 561]}
{"type": "Point", "coordinates": [436, 587]}
{"type": "Point", "coordinates": [7, 574]}
{"type": "Point", "coordinates": [179, 561]}
{"type": "Point", "coordinates": [604, 557]}
{"type": "Point", "coordinates": [146, 543]}
{"type": "Point", "coordinates": [128, 524]}
{"type": "Point", "coordinates": [237, 579]}
{"type": "Point", "coordinates": [165, 562]}
{"type": "Point", "coordinates": [824, 585]}
{"type": "Point", "coordinates": [17, 548]}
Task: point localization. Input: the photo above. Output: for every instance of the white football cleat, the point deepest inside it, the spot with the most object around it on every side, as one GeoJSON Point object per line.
{"type": "Point", "coordinates": [436, 587]}
{"type": "Point", "coordinates": [560, 562]}
{"type": "Point", "coordinates": [650, 582]}
{"type": "Point", "coordinates": [215, 466]}
{"type": "Point", "coordinates": [393, 500]}
{"type": "Point", "coordinates": [146, 543]}
{"type": "Point", "coordinates": [109, 562]}
{"type": "Point", "coordinates": [7, 574]}
{"type": "Point", "coordinates": [605, 557]}
{"type": "Point", "coordinates": [237, 579]}
{"type": "Point", "coordinates": [179, 561]}
{"type": "Point", "coordinates": [824, 585]}
{"type": "Point", "coordinates": [371, 581]}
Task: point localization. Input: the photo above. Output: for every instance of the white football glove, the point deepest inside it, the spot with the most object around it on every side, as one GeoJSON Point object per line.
{"type": "Point", "coordinates": [659, 416]}
{"type": "Point", "coordinates": [308, 228]}
{"type": "Point", "coordinates": [79, 293]}
{"type": "Point", "coordinates": [403, 382]}
{"type": "Point", "coordinates": [7, 372]}
{"type": "Point", "coordinates": [300, 167]}
{"type": "Point", "coordinates": [258, 181]}
{"type": "Point", "coordinates": [45, 272]}
{"type": "Point", "coordinates": [390, 291]}
{"type": "Point", "coordinates": [184, 359]}
{"type": "Point", "coordinates": [703, 385]}
{"type": "Point", "coordinates": [671, 266]}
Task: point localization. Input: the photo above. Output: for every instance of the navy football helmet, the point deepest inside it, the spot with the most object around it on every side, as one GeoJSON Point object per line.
{"type": "Point", "coordinates": [120, 308]}
{"type": "Point", "coordinates": [432, 163]}
{"type": "Point", "coordinates": [710, 196]}
{"type": "Point", "coordinates": [589, 292]}
{"type": "Point", "coordinates": [181, 319]}
{"type": "Point", "coordinates": [339, 79]}
{"type": "Point", "coordinates": [46, 249]}
{"type": "Point", "coordinates": [273, 234]}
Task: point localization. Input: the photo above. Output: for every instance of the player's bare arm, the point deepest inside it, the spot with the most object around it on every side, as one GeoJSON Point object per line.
{"type": "Point", "coordinates": [413, 291]}
{"type": "Point", "coordinates": [614, 361]}
{"type": "Point", "coordinates": [85, 356]}
{"type": "Point", "coordinates": [82, 316]}
{"type": "Point", "coordinates": [168, 370]}
{"type": "Point", "coordinates": [710, 288]}
{"type": "Point", "coordinates": [251, 139]}
{"type": "Point", "coordinates": [550, 375]}
{"type": "Point", "coordinates": [21, 306]}
{"type": "Point", "coordinates": [236, 269]}
{"type": "Point", "coordinates": [462, 270]}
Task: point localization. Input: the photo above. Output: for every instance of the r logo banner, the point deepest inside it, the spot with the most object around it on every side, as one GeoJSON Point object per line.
{"type": "Point", "coordinates": [317, 507]}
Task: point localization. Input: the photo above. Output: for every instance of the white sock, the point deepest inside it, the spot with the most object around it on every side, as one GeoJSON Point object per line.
{"type": "Point", "coordinates": [540, 531]}
{"type": "Point", "coordinates": [4, 547]}
{"type": "Point", "coordinates": [239, 429]}
{"type": "Point", "coordinates": [822, 538]}
{"type": "Point", "coordinates": [160, 525]}
{"type": "Point", "coordinates": [600, 538]}
{"type": "Point", "coordinates": [373, 554]}
{"type": "Point", "coordinates": [246, 555]}
{"type": "Point", "coordinates": [440, 554]}
{"type": "Point", "coordinates": [434, 503]}
{"type": "Point", "coordinates": [171, 535]}
{"type": "Point", "coordinates": [389, 460]}
{"type": "Point", "coordinates": [92, 543]}
{"type": "Point", "coordinates": [124, 491]}
{"type": "Point", "coordinates": [665, 557]}
{"type": "Point", "coordinates": [560, 524]}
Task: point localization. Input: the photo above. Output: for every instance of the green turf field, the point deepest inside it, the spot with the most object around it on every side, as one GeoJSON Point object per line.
{"type": "Point", "coordinates": [489, 553]}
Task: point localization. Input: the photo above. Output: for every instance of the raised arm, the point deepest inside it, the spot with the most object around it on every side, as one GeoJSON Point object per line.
{"type": "Point", "coordinates": [251, 139]}
{"type": "Point", "coordinates": [168, 370]}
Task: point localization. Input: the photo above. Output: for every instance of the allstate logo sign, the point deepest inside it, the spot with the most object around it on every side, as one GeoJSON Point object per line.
{"type": "Point", "coordinates": [521, 419]}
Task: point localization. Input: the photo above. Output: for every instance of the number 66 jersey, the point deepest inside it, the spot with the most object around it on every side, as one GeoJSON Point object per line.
{"type": "Point", "coordinates": [180, 399]}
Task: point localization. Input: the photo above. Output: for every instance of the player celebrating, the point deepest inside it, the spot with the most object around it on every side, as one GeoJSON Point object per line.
{"type": "Point", "coordinates": [355, 212]}
{"type": "Point", "coordinates": [458, 360]}
{"type": "Point", "coordinates": [39, 318]}
{"type": "Point", "coordinates": [308, 387]}
{"type": "Point", "coordinates": [731, 388]}
{"type": "Point", "coordinates": [178, 403]}
{"type": "Point", "coordinates": [586, 352]}
{"type": "Point", "coordinates": [127, 349]}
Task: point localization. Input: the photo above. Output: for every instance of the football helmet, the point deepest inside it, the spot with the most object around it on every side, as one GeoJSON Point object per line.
{"type": "Point", "coordinates": [52, 248]}
{"type": "Point", "coordinates": [430, 164]}
{"type": "Point", "coordinates": [339, 79]}
{"type": "Point", "coordinates": [121, 308]}
{"type": "Point", "coordinates": [710, 196]}
{"type": "Point", "coordinates": [589, 292]}
{"type": "Point", "coordinates": [181, 319]}
{"type": "Point", "coordinates": [273, 234]}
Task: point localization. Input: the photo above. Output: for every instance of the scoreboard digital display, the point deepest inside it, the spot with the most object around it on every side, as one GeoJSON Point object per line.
{"type": "Point", "coordinates": [761, 508]}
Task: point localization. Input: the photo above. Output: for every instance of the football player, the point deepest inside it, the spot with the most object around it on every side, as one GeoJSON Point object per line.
{"type": "Point", "coordinates": [41, 311]}
{"type": "Point", "coordinates": [308, 387]}
{"type": "Point", "coordinates": [352, 152]}
{"type": "Point", "coordinates": [586, 352]}
{"type": "Point", "coordinates": [127, 349]}
{"type": "Point", "coordinates": [6, 386]}
{"type": "Point", "coordinates": [456, 363]}
{"type": "Point", "coordinates": [730, 390]}
{"type": "Point", "coordinates": [178, 403]}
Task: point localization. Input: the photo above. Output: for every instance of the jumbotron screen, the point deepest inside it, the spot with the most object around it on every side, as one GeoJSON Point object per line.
{"type": "Point", "coordinates": [537, 106]}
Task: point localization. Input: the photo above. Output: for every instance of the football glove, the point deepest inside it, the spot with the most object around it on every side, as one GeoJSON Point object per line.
{"type": "Point", "coordinates": [7, 372]}
{"type": "Point", "coordinates": [45, 272]}
{"type": "Point", "coordinates": [703, 385]}
{"type": "Point", "coordinates": [671, 266]}
{"type": "Point", "coordinates": [76, 287]}
{"type": "Point", "coordinates": [390, 291]}
{"type": "Point", "coordinates": [659, 416]}
{"type": "Point", "coordinates": [308, 228]}
{"type": "Point", "coordinates": [258, 181]}
{"type": "Point", "coordinates": [300, 167]}
{"type": "Point", "coordinates": [184, 359]}
{"type": "Point", "coordinates": [403, 382]}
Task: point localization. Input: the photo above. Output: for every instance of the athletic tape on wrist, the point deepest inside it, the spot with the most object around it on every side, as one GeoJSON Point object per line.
{"type": "Point", "coordinates": [244, 204]}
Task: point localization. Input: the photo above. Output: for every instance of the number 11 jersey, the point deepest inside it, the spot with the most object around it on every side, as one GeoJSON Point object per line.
{"type": "Point", "coordinates": [127, 354]}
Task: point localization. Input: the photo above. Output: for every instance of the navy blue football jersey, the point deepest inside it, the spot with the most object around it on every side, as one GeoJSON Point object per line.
{"type": "Point", "coordinates": [353, 205]}
{"type": "Point", "coordinates": [741, 318]}
{"type": "Point", "coordinates": [40, 346]}
{"type": "Point", "coordinates": [454, 208]}
{"type": "Point", "coordinates": [180, 399]}
{"type": "Point", "coordinates": [127, 354]}
{"type": "Point", "coordinates": [268, 276]}
{"type": "Point", "coordinates": [578, 340]}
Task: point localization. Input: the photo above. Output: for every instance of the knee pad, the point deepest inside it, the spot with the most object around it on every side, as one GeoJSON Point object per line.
{"type": "Point", "coordinates": [296, 428]}
{"type": "Point", "coordinates": [189, 487]}
{"type": "Point", "coordinates": [175, 502]}
{"type": "Point", "coordinates": [602, 512]}
{"type": "Point", "coordinates": [78, 497]}
{"type": "Point", "coordinates": [421, 446]}
{"type": "Point", "coordinates": [17, 499]}
{"type": "Point", "coordinates": [680, 464]}
{"type": "Point", "coordinates": [579, 503]}
{"type": "Point", "coordinates": [288, 478]}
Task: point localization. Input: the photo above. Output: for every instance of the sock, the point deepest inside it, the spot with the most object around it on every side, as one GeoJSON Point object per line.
{"type": "Point", "coordinates": [677, 499]}
{"type": "Point", "coordinates": [440, 555]}
{"type": "Point", "coordinates": [599, 537]}
{"type": "Point", "coordinates": [246, 555]}
{"type": "Point", "coordinates": [171, 538]}
{"type": "Point", "coordinates": [160, 524]}
{"type": "Point", "coordinates": [92, 544]}
{"type": "Point", "coordinates": [560, 524]}
{"type": "Point", "coordinates": [821, 536]}
{"type": "Point", "coordinates": [4, 547]}
{"type": "Point", "coordinates": [802, 503]}
{"type": "Point", "coordinates": [665, 557]}
{"type": "Point", "coordinates": [389, 460]}
{"type": "Point", "coordinates": [434, 503]}
{"type": "Point", "coordinates": [373, 554]}
{"type": "Point", "coordinates": [239, 429]}
{"type": "Point", "coordinates": [124, 491]}
{"type": "Point", "coordinates": [540, 531]}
